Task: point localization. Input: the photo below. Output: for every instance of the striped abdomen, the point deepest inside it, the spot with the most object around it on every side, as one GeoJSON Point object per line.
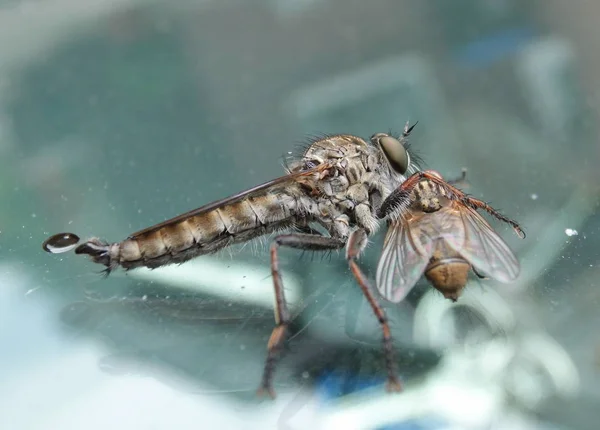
{"type": "Point", "coordinates": [205, 232]}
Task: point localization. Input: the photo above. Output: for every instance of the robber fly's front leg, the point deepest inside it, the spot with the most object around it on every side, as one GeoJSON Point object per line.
{"type": "Point", "coordinates": [399, 199]}
{"type": "Point", "coordinates": [305, 242]}
{"type": "Point", "coordinates": [357, 242]}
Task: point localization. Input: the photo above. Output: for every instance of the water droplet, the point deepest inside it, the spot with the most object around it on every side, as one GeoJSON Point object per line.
{"type": "Point", "coordinates": [571, 232]}
{"type": "Point", "coordinates": [62, 242]}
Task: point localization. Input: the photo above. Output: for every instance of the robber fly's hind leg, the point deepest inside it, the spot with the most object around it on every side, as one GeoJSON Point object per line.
{"type": "Point", "coordinates": [305, 242]}
{"type": "Point", "coordinates": [356, 244]}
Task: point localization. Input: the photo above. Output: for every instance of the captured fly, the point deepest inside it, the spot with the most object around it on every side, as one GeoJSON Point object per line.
{"type": "Point", "coordinates": [436, 231]}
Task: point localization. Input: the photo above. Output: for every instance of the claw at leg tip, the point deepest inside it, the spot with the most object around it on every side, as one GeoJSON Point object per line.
{"type": "Point", "coordinates": [393, 386]}
{"type": "Point", "coordinates": [266, 392]}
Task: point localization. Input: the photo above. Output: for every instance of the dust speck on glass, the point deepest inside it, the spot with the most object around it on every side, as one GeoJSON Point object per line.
{"type": "Point", "coordinates": [116, 116]}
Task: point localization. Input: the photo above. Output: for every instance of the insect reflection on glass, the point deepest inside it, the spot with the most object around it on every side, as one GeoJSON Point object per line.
{"type": "Point", "coordinates": [339, 183]}
{"type": "Point", "coordinates": [435, 230]}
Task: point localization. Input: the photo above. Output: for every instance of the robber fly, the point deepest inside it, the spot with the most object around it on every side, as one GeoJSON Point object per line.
{"type": "Point", "coordinates": [343, 183]}
{"type": "Point", "coordinates": [339, 182]}
{"type": "Point", "coordinates": [435, 230]}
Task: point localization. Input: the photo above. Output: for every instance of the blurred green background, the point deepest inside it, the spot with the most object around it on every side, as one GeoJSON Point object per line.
{"type": "Point", "coordinates": [117, 115]}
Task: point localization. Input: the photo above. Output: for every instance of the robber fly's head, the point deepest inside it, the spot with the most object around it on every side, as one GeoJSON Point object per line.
{"type": "Point", "coordinates": [394, 149]}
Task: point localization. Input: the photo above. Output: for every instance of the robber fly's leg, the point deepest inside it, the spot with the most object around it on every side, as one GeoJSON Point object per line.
{"type": "Point", "coordinates": [456, 194]}
{"type": "Point", "coordinates": [307, 229]}
{"type": "Point", "coordinates": [480, 204]}
{"type": "Point", "coordinates": [356, 244]}
{"type": "Point", "coordinates": [306, 242]}
{"type": "Point", "coordinates": [399, 199]}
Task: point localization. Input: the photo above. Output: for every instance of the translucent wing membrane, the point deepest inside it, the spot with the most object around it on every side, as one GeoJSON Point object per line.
{"type": "Point", "coordinates": [411, 241]}
{"type": "Point", "coordinates": [483, 247]}
{"type": "Point", "coordinates": [406, 252]}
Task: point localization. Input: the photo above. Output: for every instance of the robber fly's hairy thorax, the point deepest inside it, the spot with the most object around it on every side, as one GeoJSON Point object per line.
{"type": "Point", "coordinates": [351, 191]}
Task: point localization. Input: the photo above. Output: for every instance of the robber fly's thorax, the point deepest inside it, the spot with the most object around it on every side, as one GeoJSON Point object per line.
{"type": "Point", "coordinates": [352, 190]}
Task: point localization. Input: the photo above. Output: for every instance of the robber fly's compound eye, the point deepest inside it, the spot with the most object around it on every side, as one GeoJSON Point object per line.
{"type": "Point", "coordinates": [394, 151]}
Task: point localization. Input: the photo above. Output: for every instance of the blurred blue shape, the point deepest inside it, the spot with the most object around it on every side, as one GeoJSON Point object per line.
{"type": "Point", "coordinates": [495, 47]}
{"type": "Point", "coordinates": [424, 423]}
{"type": "Point", "coordinates": [336, 384]}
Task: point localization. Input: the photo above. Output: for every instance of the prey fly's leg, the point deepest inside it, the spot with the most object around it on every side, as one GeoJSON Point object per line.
{"type": "Point", "coordinates": [305, 242]}
{"type": "Point", "coordinates": [356, 244]}
{"type": "Point", "coordinates": [479, 275]}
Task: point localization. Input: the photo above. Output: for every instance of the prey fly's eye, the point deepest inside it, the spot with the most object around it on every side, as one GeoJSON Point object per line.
{"type": "Point", "coordinates": [394, 151]}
